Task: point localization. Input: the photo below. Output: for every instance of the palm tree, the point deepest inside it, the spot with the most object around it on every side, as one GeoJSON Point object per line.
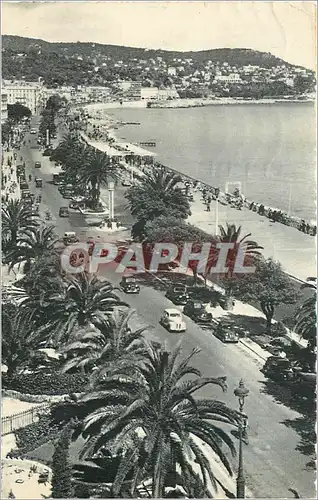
{"type": "Point", "coordinates": [156, 419]}
{"type": "Point", "coordinates": [98, 170]}
{"type": "Point", "coordinates": [16, 217]}
{"type": "Point", "coordinates": [306, 317]}
{"type": "Point", "coordinates": [158, 194]}
{"type": "Point", "coordinates": [112, 345]}
{"type": "Point", "coordinates": [82, 300]}
{"type": "Point", "coordinates": [33, 245]}
{"type": "Point", "coordinates": [232, 234]}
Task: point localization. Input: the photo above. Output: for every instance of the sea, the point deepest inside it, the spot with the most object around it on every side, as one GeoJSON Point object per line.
{"type": "Point", "coordinates": [268, 150]}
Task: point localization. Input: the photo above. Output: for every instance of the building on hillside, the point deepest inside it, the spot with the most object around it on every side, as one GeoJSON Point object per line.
{"type": "Point", "coordinates": [131, 90]}
{"type": "Point", "coordinates": [4, 106]}
{"type": "Point", "coordinates": [29, 94]}
{"type": "Point", "coordinates": [172, 71]}
{"type": "Point", "coordinates": [233, 78]}
{"type": "Point", "coordinates": [155, 94]}
{"type": "Point", "coordinates": [66, 92]}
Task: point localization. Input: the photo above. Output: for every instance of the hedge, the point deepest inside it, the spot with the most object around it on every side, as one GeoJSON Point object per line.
{"type": "Point", "coordinates": [55, 383]}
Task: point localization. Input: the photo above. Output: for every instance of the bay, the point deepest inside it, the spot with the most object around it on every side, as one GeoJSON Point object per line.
{"type": "Point", "coordinates": [269, 149]}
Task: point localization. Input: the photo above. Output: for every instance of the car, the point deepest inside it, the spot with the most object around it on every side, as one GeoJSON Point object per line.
{"type": "Point", "coordinates": [126, 183]}
{"type": "Point", "coordinates": [196, 311]}
{"type": "Point", "coordinates": [204, 295]}
{"type": "Point", "coordinates": [226, 333]}
{"type": "Point", "coordinates": [178, 294]}
{"type": "Point", "coordinates": [64, 212]}
{"type": "Point", "coordinates": [24, 186]}
{"type": "Point", "coordinates": [278, 368]}
{"type": "Point", "coordinates": [128, 284]}
{"type": "Point", "coordinates": [33, 131]}
{"type": "Point", "coordinates": [37, 164]}
{"type": "Point", "coordinates": [172, 320]}
{"type": "Point", "coordinates": [70, 238]}
{"type": "Point", "coordinates": [47, 152]}
{"type": "Point", "coordinates": [38, 182]}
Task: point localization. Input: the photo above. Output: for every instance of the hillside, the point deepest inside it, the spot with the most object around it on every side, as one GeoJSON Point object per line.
{"type": "Point", "coordinates": [82, 63]}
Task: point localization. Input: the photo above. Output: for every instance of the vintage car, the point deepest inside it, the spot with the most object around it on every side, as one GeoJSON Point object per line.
{"type": "Point", "coordinates": [278, 368]}
{"type": "Point", "coordinates": [172, 320]}
{"type": "Point", "coordinates": [177, 293]}
{"type": "Point", "coordinates": [37, 164]}
{"type": "Point", "coordinates": [70, 238]}
{"type": "Point", "coordinates": [38, 182]}
{"type": "Point", "coordinates": [33, 131]}
{"type": "Point", "coordinates": [226, 333]}
{"type": "Point", "coordinates": [196, 311]}
{"type": "Point", "coordinates": [63, 212]}
{"type": "Point", "coordinates": [128, 284]}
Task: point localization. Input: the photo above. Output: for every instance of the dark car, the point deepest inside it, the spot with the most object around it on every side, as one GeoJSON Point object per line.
{"type": "Point", "coordinates": [226, 333]}
{"type": "Point", "coordinates": [178, 294]}
{"type": "Point", "coordinates": [64, 212]}
{"type": "Point", "coordinates": [196, 311]}
{"type": "Point", "coordinates": [38, 182]}
{"type": "Point", "coordinates": [278, 368]}
{"type": "Point", "coordinates": [37, 164]}
{"type": "Point", "coordinates": [128, 284]}
{"type": "Point", "coordinates": [204, 295]}
{"type": "Point", "coordinates": [47, 152]}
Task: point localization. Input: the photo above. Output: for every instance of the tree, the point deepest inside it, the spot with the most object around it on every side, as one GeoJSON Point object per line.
{"type": "Point", "coordinates": [32, 246]}
{"type": "Point", "coordinates": [17, 111]}
{"type": "Point", "coordinates": [61, 466]}
{"type": "Point", "coordinates": [157, 421]}
{"type": "Point", "coordinates": [158, 194]}
{"type": "Point", "coordinates": [268, 285]}
{"type": "Point", "coordinates": [16, 217]}
{"type": "Point", "coordinates": [98, 170]}
{"type": "Point", "coordinates": [306, 317]}
{"type": "Point", "coordinates": [82, 300]}
{"type": "Point", "coordinates": [6, 132]}
{"type": "Point", "coordinates": [111, 345]}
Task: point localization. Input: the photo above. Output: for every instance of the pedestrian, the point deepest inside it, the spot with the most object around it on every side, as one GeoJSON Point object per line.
{"type": "Point", "coordinates": [208, 205]}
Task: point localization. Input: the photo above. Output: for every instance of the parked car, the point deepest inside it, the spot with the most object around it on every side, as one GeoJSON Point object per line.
{"type": "Point", "coordinates": [24, 186]}
{"type": "Point", "coordinates": [226, 333]}
{"type": "Point", "coordinates": [172, 320]}
{"type": "Point", "coordinates": [126, 183]}
{"type": "Point", "coordinates": [37, 164]}
{"type": "Point", "coordinates": [278, 368]}
{"type": "Point", "coordinates": [70, 238]}
{"type": "Point", "coordinates": [33, 131]}
{"type": "Point", "coordinates": [196, 311]}
{"type": "Point", "coordinates": [47, 152]}
{"type": "Point", "coordinates": [129, 285]}
{"type": "Point", "coordinates": [178, 294]}
{"type": "Point", "coordinates": [63, 212]}
{"type": "Point", "coordinates": [204, 295]}
{"type": "Point", "coordinates": [38, 182]}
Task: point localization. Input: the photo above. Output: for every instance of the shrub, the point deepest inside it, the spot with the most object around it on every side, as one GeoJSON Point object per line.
{"type": "Point", "coordinates": [34, 435]}
{"type": "Point", "coordinates": [61, 467]}
{"type": "Point", "coordinates": [55, 383]}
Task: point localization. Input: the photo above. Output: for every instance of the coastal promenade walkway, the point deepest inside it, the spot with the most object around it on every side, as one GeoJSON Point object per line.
{"type": "Point", "coordinates": [296, 251]}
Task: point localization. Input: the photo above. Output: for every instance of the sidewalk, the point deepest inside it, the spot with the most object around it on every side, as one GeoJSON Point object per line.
{"type": "Point", "coordinates": [295, 250]}
{"type": "Point", "coordinates": [12, 187]}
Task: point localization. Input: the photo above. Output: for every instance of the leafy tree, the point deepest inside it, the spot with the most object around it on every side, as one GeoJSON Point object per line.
{"type": "Point", "coordinates": [162, 406]}
{"type": "Point", "coordinates": [158, 194]}
{"type": "Point", "coordinates": [268, 285]}
{"type": "Point", "coordinates": [61, 466]}
{"type": "Point", "coordinates": [17, 111]}
{"type": "Point", "coordinates": [111, 345]}
{"type": "Point", "coordinates": [16, 217]}
{"type": "Point", "coordinates": [6, 132]}
{"type": "Point", "coordinates": [82, 491]}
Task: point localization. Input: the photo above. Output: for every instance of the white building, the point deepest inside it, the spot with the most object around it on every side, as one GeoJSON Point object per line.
{"type": "Point", "coordinates": [232, 78]}
{"type": "Point", "coordinates": [172, 71]}
{"type": "Point", "coordinates": [4, 106]}
{"type": "Point", "coordinates": [155, 94]}
{"type": "Point", "coordinates": [29, 94]}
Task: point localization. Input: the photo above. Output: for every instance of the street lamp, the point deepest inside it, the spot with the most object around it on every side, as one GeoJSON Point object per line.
{"type": "Point", "coordinates": [241, 392]}
{"type": "Point", "coordinates": [111, 187]}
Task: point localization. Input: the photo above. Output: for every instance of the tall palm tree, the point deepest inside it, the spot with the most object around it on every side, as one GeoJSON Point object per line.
{"type": "Point", "coordinates": [158, 194]}
{"type": "Point", "coordinates": [33, 245]}
{"type": "Point", "coordinates": [98, 170]}
{"type": "Point", "coordinates": [16, 217]}
{"type": "Point", "coordinates": [82, 300]}
{"type": "Point", "coordinates": [156, 419]}
{"type": "Point", "coordinates": [306, 317]}
{"type": "Point", "coordinates": [112, 345]}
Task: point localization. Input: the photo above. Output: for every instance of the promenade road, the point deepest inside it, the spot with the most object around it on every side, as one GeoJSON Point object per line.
{"type": "Point", "coordinates": [295, 250]}
{"type": "Point", "coordinates": [273, 462]}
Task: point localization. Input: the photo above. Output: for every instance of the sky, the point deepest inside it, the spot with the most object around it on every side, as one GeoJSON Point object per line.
{"type": "Point", "coordinates": [286, 29]}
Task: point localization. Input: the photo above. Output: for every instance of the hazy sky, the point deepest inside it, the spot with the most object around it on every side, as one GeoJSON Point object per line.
{"type": "Point", "coordinates": [286, 29]}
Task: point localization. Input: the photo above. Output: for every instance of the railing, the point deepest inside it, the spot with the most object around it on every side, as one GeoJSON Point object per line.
{"type": "Point", "coordinates": [21, 419]}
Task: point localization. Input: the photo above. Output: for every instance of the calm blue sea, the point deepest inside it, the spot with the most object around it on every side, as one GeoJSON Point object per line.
{"type": "Point", "coordinates": [269, 149]}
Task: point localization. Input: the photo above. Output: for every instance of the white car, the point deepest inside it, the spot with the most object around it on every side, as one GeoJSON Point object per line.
{"type": "Point", "coordinates": [33, 131]}
{"type": "Point", "coordinates": [172, 320]}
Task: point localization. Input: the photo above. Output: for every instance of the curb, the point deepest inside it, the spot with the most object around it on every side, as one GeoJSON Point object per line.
{"type": "Point", "coordinates": [245, 344]}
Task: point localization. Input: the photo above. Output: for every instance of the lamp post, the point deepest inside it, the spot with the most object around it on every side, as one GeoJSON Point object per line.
{"type": "Point", "coordinates": [111, 188]}
{"type": "Point", "coordinates": [241, 392]}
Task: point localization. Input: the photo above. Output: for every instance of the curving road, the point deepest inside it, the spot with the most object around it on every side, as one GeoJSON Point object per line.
{"type": "Point", "coordinates": [272, 462]}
